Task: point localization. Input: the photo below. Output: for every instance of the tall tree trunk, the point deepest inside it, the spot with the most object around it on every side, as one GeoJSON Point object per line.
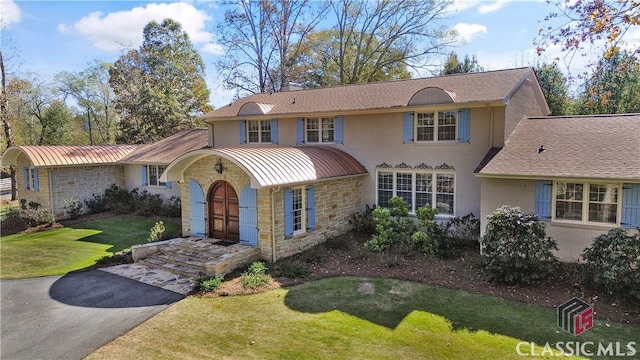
{"type": "Point", "coordinates": [4, 114]}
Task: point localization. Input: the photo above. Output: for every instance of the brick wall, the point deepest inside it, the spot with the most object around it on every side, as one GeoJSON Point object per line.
{"type": "Point", "coordinates": [335, 201]}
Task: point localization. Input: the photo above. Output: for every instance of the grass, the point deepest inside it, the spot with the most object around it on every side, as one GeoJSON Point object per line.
{"type": "Point", "coordinates": [351, 318]}
{"type": "Point", "coordinates": [63, 250]}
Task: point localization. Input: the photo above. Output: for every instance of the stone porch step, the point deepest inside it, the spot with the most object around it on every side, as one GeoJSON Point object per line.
{"type": "Point", "coordinates": [179, 269]}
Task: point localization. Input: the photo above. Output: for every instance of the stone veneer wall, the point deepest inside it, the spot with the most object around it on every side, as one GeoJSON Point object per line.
{"type": "Point", "coordinates": [61, 183]}
{"type": "Point", "coordinates": [335, 201]}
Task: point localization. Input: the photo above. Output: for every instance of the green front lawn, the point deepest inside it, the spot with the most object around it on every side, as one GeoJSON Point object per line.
{"type": "Point", "coordinates": [59, 251]}
{"type": "Point", "coordinates": [353, 318]}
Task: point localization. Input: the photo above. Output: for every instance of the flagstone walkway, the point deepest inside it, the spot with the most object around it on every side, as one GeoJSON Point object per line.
{"type": "Point", "coordinates": [180, 284]}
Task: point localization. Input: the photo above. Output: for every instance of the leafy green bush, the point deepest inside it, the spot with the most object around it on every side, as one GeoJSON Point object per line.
{"type": "Point", "coordinates": [211, 283]}
{"type": "Point", "coordinates": [464, 227]}
{"type": "Point", "coordinates": [516, 248]}
{"type": "Point", "coordinates": [73, 208]}
{"type": "Point", "coordinates": [362, 221]}
{"type": "Point", "coordinates": [426, 238]}
{"type": "Point", "coordinates": [98, 204]}
{"type": "Point", "coordinates": [147, 204]}
{"type": "Point", "coordinates": [255, 276]}
{"type": "Point", "coordinates": [392, 225]}
{"type": "Point", "coordinates": [613, 262]}
{"type": "Point", "coordinates": [157, 232]}
{"type": "Point", "coordinates": [173, 207]}
{"type": "Point", "coordinates": [120, 199]}
{"type": "Point", "coordinates": [292, 271]}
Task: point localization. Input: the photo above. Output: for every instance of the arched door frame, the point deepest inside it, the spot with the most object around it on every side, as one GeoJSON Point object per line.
{"type": "Point", "coordinates": [224, 215]}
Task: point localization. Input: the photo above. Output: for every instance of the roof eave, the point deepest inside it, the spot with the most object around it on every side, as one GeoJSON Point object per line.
{"type": "Point", "coordinates": [554, 177]}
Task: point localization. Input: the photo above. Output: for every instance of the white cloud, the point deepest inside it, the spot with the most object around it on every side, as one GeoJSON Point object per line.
{"type": "Point", "coordinates": [469, 31]}
{"type": "Point", "coordinates": [212, 48]}
{"type": "Point", "coordinates": [459, 5]}
{"type": "Point", "coordinates": [488, 8]}
{"type": "Point", "coordinates": [124, 28]}
{"type": "Point", "coordinates": [9, 13]}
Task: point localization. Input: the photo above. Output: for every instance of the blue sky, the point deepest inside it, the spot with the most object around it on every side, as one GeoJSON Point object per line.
{"type": "Point", "coordinates": [55, 36]}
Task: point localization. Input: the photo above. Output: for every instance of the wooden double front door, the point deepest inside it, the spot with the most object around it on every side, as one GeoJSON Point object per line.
{"type": "Point", "coordinates": [224, 212]}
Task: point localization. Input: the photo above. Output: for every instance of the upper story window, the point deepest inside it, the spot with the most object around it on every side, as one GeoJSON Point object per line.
{"type": "Point", "coordinates": [319, 130]}
{"type": "Point", "coordinates": [417, 188]}
{"type": "Point", "coordinates": [435, 126]}
{"type": "Point", "coordinates": [259, 131]}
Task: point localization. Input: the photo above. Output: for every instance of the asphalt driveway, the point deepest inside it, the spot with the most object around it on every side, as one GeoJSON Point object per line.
{"type": "Point", "coordinates": [67, 317]}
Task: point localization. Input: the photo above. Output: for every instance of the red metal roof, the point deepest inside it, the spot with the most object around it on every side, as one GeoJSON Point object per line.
{"type": "Point", "coordinates": [68, 155]}
{"type": "Point", "coordinates": [273, 166]}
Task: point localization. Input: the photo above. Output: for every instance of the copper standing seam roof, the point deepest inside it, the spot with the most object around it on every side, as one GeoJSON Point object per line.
{"type": "Point", "coordinates": [462, 88]}
{"type": "Point", "coordinates": [273, 166]}
{"type": "Point", "coordinates": [594, 147]}
{"type": "Point", "coordinates": [67, 155]}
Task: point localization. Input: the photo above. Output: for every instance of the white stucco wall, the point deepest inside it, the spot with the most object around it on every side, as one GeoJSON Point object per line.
{"type": "Point", "coordinates": [133, 180]}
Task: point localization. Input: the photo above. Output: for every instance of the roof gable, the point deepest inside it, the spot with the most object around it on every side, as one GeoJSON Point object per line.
{"type": "Point", "coordinates": [461, 88]}
{"type": "Point", "coordinates": [596, 147]}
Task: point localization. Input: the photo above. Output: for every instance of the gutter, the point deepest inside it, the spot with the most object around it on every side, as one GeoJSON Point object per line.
{"type": "Point", "coordinates": [273, 223]}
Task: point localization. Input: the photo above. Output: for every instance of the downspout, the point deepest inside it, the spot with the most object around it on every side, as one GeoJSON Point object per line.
{"type": "Point", "coordinates": [53, 213]}
{"type": "Point", "coordinates": [491, 125]}
{"type": "Point", "coordinates": [273, 223]}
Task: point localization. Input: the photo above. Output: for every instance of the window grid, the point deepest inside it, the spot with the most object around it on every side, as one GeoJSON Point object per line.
{"type": "Point", "coordinates": [603, 203]}
{"type": "Point", "coordinates": [425, 126]}
{"type": "Point", "coordinates": [320, 129]}
{"type": "Point", "coordinates": [444, 129]}
{"type": "Point", "coordinates": [569, 199]}
{"type": "Point", "coordinates": [259, 131]}
{"type": "Point", "coordinates": [297, 209]}
{"type": "Point", "coordinates": [447, 125]}
{"type": "Point", "coordinates": [153, 175]}
{"type": "Point", "coordinates": [417, 189]}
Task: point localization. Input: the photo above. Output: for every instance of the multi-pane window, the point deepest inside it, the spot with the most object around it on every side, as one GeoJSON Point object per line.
{"type": "Point", "coordinates": [320, 129]}
{"type": "Point", "coordinates": [259, 131]}
{"type": "Point", "coordinates": [297, 209]}
{"type": "Point", "coordinates": [154, 172]}
{"type": "Point", "coordinates": [444, 129]}
{"type": "Point", "coordinates": [418, 189]}
{"type": "Point", "coordinates": [586, 202]}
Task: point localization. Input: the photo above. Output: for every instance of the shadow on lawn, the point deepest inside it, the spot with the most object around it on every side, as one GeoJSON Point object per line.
{"type": "Point", "coordinates": [388, 302]}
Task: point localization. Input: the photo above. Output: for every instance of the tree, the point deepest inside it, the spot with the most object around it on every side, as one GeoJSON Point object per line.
{"type": "Point", "coordinates": [613, 87]}
{"type": "Point", "coordinates": [262, 39]}
{"type": "Point", "coordinates": [91, 91]}
{"type": "Point", "coordinates": [585, 23]}
{"type": "Point", "coordinates": [54, 124]}
{"type": "Point", "coordinates": [6, 125]}
{"type": "Point", "coordinates": [386, 32]}
{"type": "Point", "coordinates": [453, 65]}
{"type": "Point", "coordinates": [554, 86]}
{"type": "Point", "coordinates": [319, 64]}
{"type": "Point", "coordinates": [159, 88]}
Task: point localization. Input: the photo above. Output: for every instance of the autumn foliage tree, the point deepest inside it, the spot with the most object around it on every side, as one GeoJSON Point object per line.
{"type": "Point", "coordinates": [160, 88]}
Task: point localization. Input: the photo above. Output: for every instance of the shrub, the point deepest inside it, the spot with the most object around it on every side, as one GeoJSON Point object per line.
{"type": "Point", "coordinates": [464, 227]}
{"type": "Point", "coordinates": [211, 283]}
{"type": "Point", "coordinates": [255, 276]}
{"type": "Point", "coordinates": [73, 208]}
{"type": "Point", "coordinates": [157, 232]}
{"type": "Point", "coordinates": [362, 221]}
{"type": "Point", "coordinates": [97, 205]}
{"type": "Point", "coordinates": [146, 204]}
{"type": "Point", "coordinates": [392, 225]}
{"type": "Point", "coordinates": [173, 207]}
{"type": "Point", "coordinates": [337, 243]}
{"type": "Point", "coordinates": [120, 199]}
{"type": "Point", "coordinates": [121, 257]}
{"type": "Point", "coordinates": [516, 249]}
{"type": "Point", "coordinates": [613, 262]}
{"type": "Point", "coordinates": [426, 238]}
{"type": "Point", "coordinates": [292, 271]}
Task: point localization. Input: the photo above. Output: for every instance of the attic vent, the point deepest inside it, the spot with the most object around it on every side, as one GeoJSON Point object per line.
{"type": "Point", "coordinates": [432, 95]}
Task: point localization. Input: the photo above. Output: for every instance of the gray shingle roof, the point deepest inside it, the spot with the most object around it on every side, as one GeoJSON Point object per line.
{"type": "Point", "coordinates": [168, 149]}
{"type": "Point", "coordinates": [596, 147]}
{"type": "Point", "coordinates": [472, 87]}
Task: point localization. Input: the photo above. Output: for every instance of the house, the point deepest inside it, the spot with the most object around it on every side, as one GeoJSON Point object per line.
{"type": "Point", "coordinates": [284, 171]}
{"type": "Point", "coordinates": [50, 175]}
{"type": "Point", "coordinates": [580, 174]}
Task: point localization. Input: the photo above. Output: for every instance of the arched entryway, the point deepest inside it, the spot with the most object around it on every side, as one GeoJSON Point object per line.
{"type": "Point", "coordinates": [224, 219]}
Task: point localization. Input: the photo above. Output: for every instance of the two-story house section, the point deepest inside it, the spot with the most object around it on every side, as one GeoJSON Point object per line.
{"type": "Point", "coordinates": [284, 171]}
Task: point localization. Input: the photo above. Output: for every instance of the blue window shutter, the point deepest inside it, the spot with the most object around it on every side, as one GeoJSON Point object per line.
{"type": "Point", "coordinates": [543, 199]}
{"type": "Point", "coordinates": [168, 184]}
{"type": "Point", "coordinates": [339, 132]}
{"type": "Point", "coordinates": [464, 125]}
{"type": "Point", "coordinates": [311, 208]}
{"type": "Point", "coordinates": [243, 131]}
{"type": "Point", "coordinates": [36, 181]}
{"type": "Point", "coordinates": [407, 128]}
{"type": "Point", "coordinates": [300, 131]}
{"type": "Point", "coordinates": [288, 213]}
{"type": "Point", "coordinates": [630, 206]}
{"type": "Point", "coordinates": [25, 180]}
{"type": "Point", "coordinates": [274, 131]}
{"type": "Point", "coordinates": [144, 175]}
